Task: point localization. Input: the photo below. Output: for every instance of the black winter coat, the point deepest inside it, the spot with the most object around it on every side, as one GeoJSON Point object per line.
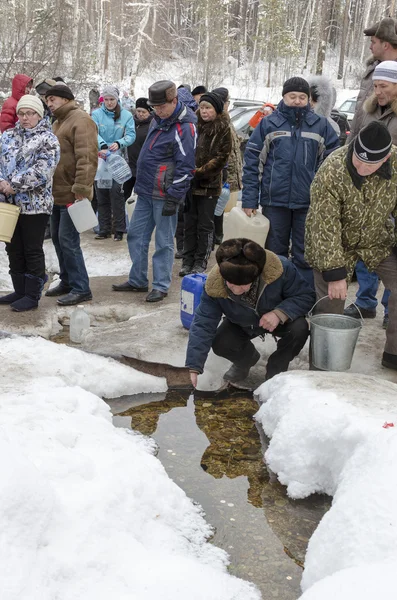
{"type": "Point", "coordinates": [141, 131]}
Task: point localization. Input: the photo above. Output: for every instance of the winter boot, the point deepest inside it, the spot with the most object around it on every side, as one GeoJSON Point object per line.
{"type": "Point", "coordinates": [240, 371]}
{"type": "Point", "coordinates": [18, 280]}
{"type": "Point", "coordinates": [218, 229]}
{"type": "Point", "coordinates": [33, 288]}
{"type": "Point", "coordinates": [389, 360]}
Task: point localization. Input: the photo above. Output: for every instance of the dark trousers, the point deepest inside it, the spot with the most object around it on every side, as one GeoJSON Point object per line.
{"type": "Point", "coordinates": [180, 228]}
{"type": "Point", "coordinates": [199, 230]}
{"type": "Point", "coordinates": [111, 202]}
{"type": "Point", "coordinates": [25, 251]}
{"type": "Point", "coordinates": [234, 343]}
{"type": "Point", "coordinates": [128, 187]}
{"type": "Point", "coordinates": [288, 226]}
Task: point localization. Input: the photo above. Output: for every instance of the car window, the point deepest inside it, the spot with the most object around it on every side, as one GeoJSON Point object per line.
{"type": "Point", "coordinates": [236, 111]}
{"type": "Point", "coordinates": [348, 106]}
{"type": "Point", "coordinates": [241, 120]}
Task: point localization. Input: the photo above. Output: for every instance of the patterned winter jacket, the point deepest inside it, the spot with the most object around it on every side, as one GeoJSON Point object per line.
{"type": "Point", "coordinates": [165, 165]}
{"type": "Point", "coordinates": [345, 224]}
{"type": "Point", "coordinates": [283, 155]}
{"type": "Point", "coordinates": [28, 158]}
{"type": "Point", "coordinates": [281, 289]}
{"type": "Point", "coordinates": [235, 163]}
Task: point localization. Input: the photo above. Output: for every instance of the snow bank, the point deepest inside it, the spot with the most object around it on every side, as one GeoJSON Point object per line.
{"type": "Point", "coordinates": [327, 435]}
{"type": "Point", "coordinates": [86, 510]}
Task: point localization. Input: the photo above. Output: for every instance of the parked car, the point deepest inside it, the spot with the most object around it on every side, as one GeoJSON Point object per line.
{"type": "Point", "coordinates": [348, 107]}
{"type": "Point", "coordinates": [240, 121]}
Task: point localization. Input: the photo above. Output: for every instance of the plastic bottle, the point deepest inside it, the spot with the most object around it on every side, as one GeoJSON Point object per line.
{"type": "Point", "coordinates": [82, 215]}
{"type": "Point", "coordinates": [222, 200]}
{"type": "Point", "coordinates": [79, 324]}
{"type": "Point", "coordinates": [118, 168]}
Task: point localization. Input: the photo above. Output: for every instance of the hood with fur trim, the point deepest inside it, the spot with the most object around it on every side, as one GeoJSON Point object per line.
{"type": "Point", "coordinates": [215, 285]}
{"type": "Point", "coordinates": [326, 94]}
{"type": "Point", "coordinates": [371, 105]}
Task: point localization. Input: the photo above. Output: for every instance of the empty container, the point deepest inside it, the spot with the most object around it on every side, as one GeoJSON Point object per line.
{"type": "Point", "coordinates": [82, 215]}
{"type": "Point", "coordinates": [239, 225]}
{"type": "Point", "coordinates": [9, 214]}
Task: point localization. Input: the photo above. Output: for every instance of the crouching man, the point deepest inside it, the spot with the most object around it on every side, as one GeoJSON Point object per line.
{"type": "Point", "coordinates": [353, 199]}
{"type": "Point", "coordinates": [258, 292]}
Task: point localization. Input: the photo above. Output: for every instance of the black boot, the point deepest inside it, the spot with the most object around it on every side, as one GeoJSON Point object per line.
{"type": "Point", "coordinates": [218, 227]}
{"type": "Point", "coordinates": [240, 371]}
{"type": "Point", "coordinates": [18, 281]}
{"type": "Point", "coordinates": [33, 288]}
{"type": "Point", "coordinates": [389, 361]}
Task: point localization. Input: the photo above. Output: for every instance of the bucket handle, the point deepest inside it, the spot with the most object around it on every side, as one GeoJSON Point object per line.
{"type": "Point", "coordinates": [310, 313]}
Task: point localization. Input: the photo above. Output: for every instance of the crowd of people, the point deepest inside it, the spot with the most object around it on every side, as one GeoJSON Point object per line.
{"type": "Point", "coordinates": [331, 209]}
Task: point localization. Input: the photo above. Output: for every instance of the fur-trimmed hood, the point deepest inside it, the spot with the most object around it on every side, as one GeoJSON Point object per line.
{"type": "Point", "coordinates": [326, 94]}
{"type": "Point", "coordinates": [215, 285]}
{"type": "Point", "coordinates": [371, 105]}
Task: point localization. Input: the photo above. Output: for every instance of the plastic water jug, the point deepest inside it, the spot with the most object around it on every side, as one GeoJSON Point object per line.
{"type": "Point", "coordinates": [191, 290]}
{"type": "Point", "coordinates": [222, 200]}
{"type": "Point", "coordinates": [103, 177]}
{"type": "Point", "coordinates": [232, 202]}
{"type": "Point", "coordinates": [130, 206]}
{"type": "Point", "coordinates": [239, 225]}
{"type": "Point", "coordinates": [119, 168]}
{"type": "Point", "coordinates": [79, 324]}
{"type": "Point", "coordinates": [82, 215]}
{"type": "Point", "coordinates": [9, 214]}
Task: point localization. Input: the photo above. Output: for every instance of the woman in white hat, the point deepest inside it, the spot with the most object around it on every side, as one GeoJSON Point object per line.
{"type": "Point", "coordinates": [29, 154]}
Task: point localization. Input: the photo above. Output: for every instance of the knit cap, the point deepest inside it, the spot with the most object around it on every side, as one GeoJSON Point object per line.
{"type": "Point", "coordinates": [240, 260]}
{"type": "Point", "coordinates": [373, 143]}
{"type": "Point", "coordinates": [199, 89]}
{"type": "Point", "coordinates": [61, 90]}
{"type": "Point", "coordinates": [143, 103]}
{"type": "Point", "coordinates": [222, 92]}
{"type": "Point", "coordinates": [111, 90]}
{"type": "Point", "coordinates": [213, 99]}
{"type": "Point", "coordinates": [386, 71]}
{"type": "Point", "coordinates": [296, 84]}
{"type": "Point", "coordinates": [32, 102]}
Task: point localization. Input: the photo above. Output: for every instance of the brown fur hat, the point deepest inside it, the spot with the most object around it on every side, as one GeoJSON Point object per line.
{"type": "Point", "coordinates": [385, 30]}
{"type": "Point", "coordinates": [161, 92]}
{"type": "Point", "coordinates": [240, 260]}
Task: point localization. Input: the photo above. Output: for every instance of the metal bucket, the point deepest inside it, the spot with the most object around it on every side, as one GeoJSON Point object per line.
{"type": "Point", "coordinates": [333, 340]}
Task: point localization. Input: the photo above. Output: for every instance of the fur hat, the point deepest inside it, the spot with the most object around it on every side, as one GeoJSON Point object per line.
{"type": "Point", "coordinates": [142, 103]}
{"type": "Point", "coordinates": [240, 260]}
{"type": "Point", "coordinates": [44, 85]}
{"type": "Point", "coordinates": [199, 89]}
{"type": "Point", "coordinates": [32, 102]}
{"type": "Point", "coordinates": [386, 71]}
{"type": "Point", "coordinates": [373, 143]}
{"type": "Point", "coordinates": [111, 90]}
{"type": "Point", "coordinates": [162, 92]}
{"type": "Point", "coordinates": [61, 90]}
{"type": "Point", "coordinates": [296, 84]}
{"type": "Point", "coordinates": [385, 30]}
{"type": "Point", "coordinates": [214, 99]}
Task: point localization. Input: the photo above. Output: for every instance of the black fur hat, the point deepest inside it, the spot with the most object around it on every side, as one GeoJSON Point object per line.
{"type": "Point", "coordinates": [240, 260]}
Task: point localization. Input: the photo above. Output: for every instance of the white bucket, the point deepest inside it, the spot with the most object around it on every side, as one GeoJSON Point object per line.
{"type": "Point", "coordinates": [239, 225]}
{"type": "Point", "coordinates": [9, 214]}
{"type": "Point", "coordinates": [82, 215]}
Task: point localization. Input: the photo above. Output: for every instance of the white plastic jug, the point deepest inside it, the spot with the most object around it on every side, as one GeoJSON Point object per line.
{"type": "Point", "coordinates": [9, 214]}
{"type": "Point", "coordinates": [130, 206]}
{"type": "Point", "coordinates": [239, 225]}
{"type": "Point", "coordinates": [79, 324]}
{"type": "Point", "coordinates": [82, 215]}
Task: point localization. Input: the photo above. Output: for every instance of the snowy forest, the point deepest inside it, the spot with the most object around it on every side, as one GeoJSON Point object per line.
{"type": "Point", "coordinates": [268, 40]}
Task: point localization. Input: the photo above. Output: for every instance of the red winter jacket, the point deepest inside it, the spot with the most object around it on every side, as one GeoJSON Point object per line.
{"type": "Point", "coordinates": [8, 117]}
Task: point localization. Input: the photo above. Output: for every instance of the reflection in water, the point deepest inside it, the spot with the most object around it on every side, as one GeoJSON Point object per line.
{"type": "Point", "coordinates": [212, 449]}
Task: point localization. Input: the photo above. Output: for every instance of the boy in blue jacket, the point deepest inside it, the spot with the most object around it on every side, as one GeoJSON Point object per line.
{"type": "Point", "coordinates": [280, 162]}
{"type": "Point", "coordinates": [259, 293]}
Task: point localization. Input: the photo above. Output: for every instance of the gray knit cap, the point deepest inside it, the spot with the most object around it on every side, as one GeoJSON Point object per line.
{"type": "Point", "coordinates": [111, 90]}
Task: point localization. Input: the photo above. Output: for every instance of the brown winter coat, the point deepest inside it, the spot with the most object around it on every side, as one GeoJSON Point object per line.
{"type": "Point", "coordinates": [366, 88]}
{"type": "Point", "coordinates": [214, 145]}
{"type": "Point", "coordinates": [78, 138]}
{"type": "Point", "coordinates": [235, 164]}
{"type": "Point", "coordinates": [372, 112]}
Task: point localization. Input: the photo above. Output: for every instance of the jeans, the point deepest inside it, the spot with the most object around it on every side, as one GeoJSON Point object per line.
{"type": "Point", "coordinates": [368, 287]}
{"type": "Point", "coordinates": [66, 240]}
{"type": "Point", "coordinates": [25, 251]}
{"type": "Point", "coordinates": [288, 226]}
{"type": "Point", "coordinates": [147, 216]}
{"type": "Point", "coordinates": [111, 202]}
{"type": "Point", "coordinates": [234, 343]}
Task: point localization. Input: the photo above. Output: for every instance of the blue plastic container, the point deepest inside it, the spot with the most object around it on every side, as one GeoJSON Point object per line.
{"type": "Point", "coordinates": [191, 290]}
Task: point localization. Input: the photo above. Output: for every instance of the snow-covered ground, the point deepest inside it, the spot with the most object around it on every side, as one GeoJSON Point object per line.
{"type": "Point", "coordinates": [334, 434]}
{"type": "Point", "coordinates": [86, 510]}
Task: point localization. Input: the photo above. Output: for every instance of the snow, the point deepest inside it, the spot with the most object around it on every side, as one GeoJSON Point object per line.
{"type": "Point", "coordinates": [328, 436]}
{"type": "Point", "coordinates": [87, 511]}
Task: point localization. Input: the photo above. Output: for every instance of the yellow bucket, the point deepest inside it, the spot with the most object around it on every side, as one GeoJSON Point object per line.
{"type": "Point", "coordinates": [9, 214]}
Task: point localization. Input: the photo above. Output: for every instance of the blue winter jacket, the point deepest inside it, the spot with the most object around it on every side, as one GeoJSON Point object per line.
{"type": "Point", "coordinates": [166, 162]}
{"type": "Point", "coordinates": [122, 130]}
{"type": "Point", "coordinates": [281, 288]}
{"type": "Point", "coordinates": [283, 155]}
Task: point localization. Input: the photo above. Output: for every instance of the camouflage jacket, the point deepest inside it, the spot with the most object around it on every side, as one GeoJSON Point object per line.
{"type": "Point", "coordinates": [345, 224]}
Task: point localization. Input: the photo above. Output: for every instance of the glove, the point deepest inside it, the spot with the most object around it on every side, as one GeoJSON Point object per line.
{"type": "Point", "coordinates": [169, 208]}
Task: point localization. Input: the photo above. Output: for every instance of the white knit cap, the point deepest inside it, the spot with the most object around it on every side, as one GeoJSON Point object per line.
{"type": "Point", "coordinates": [386, 71]}
{"type": "Point", "coordinates": [32, 102]}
